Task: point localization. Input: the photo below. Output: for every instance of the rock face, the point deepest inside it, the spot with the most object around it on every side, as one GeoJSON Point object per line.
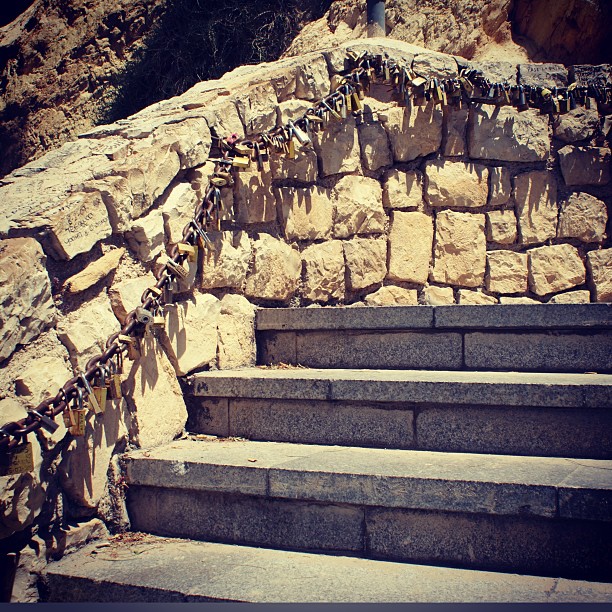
{"type": "Point", "coordinates": [554, 268]}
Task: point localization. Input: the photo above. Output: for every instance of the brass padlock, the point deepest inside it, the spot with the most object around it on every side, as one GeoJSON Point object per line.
{"type": "Point", "coordinates": [114, 388]}
{"type": "Point", "coordinates": [348, 101]}
{"type": "Point", "coordinates": [133, 346]}
{"type": "Point", "coordinates": [100, 387]}
{"type": "Point", "coordinates": [241, 162]}
{"type": "Point", "coordinates": [190, 250]}
{"type": "Point", "coordinates": [75, 417]}
{"type": "Point", "coordinates": [177, 268]}
{"type": "Point", "coordinates": [159, 321]}
{"type": "Point", "coordinates": [18, 460]}
{"type": "Point", "coordinates": [357, 101]}
{"type": "Point", "coordinates": [291, 154]}
{"type": "Point", "coordinates": [91, 399]}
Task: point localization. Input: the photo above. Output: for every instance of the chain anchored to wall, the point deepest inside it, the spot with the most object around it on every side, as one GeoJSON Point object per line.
{"type": "Point", "coordinates": [87, 392]}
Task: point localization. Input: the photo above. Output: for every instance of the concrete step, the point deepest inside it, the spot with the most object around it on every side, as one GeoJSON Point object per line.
{"type": "Point", "coordinates": [533, 515]}
{"type": "Point", "coordinates": [526, 413]}
{"type": "Point", "coordinates": [156, 569]}
{"type": "Point", "coordinates": [525, 337]}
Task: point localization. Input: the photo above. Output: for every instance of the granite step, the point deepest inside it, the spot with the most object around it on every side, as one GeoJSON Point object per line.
{"type": "Point", "coordinates": [154, 569]}
{"type": "Point", "coordinates": [523, 337]}
{"type": "Point", "coordinates": [532, 515]}
{"type": "Point", "coordinates": [515, 413]}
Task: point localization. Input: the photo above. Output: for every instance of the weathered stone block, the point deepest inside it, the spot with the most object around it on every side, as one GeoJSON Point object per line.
{"type": "Point", "coordinates": [94, 272]}
{"type": "Point", "coordinates": [366, 262]}
{"type": "Point", "coordinates": [542, 75]}
{"type": "Point", "coordinates": [460, 249]}
{"type": "Point", "coordinates": [392, 296]}
{"type": "Point", "coordinates": [306, 213]}
{"type": "Point", "coordinates": [500, 188]}
{"type": "Point", "coordinates": [189, 138]}
{"type": "Point", "coordinates": [582, 296]}
{"type": "Point", "coordinates": [254, 198]}
{"type": "Point", "coordinates": [81, 222]}
{"type": "Point", "coordinates": [501, 226]}
{"type": "Point", "coordinates": [438, 296]}
{"type": "Point", "coordinates": [584, 217]}
{"type": "Point", "coordinates": [359, 208]}
{"type": "Point", "coordinates": [146, 236]}
{"type": "Point", "coordinates": [338, 147]}
{"type": "Point", "coordinates": [403, 189]}
{"type": "Point", "coordinates": [178, 209]}
{"type": "Point", "coordinates": [226, 260]}
{"type": "Point", "coordinates": [410, 243]}
{"type": "Point", "coordinates": [414, 131]}
{"type": "Point", "coordinates": [517, 300]}
{"type": "Point", "coordinates": [27, 305]}
{"type": "Point", "coordinates": [291, 110]}
{"type": "Point", "coordinates": [117, 196]}
{"type": "Point", "coordinates": [467, 296]}
{"type": "Point", "coordinates": [312, 79]}
{"type": "Point", "coordinates": [324, 271]}
{"type": "Point", "coordinates": [436, 65]}
{"type": "Point", "coordinates": [579, 124]}
{"type": "Point", "coordinates": [374, 142]}
{"type": "Point", "coordinates": [555, 268]}
{"type": "Point", "coordinates": [503, 133]}
{"type": "Point", "coordinates": [456, 184]}
{"type": "Point", "coordinates": [257, 108]}
{"type": "Point", "coordinates": [536, 204]}
{"type": "Point", "coordinates": [584, 74]}
{"type": "Point", "coordinates": [599, 264]}
{"type": "Point", "coordinates": [125, 295]}
{"type": "Point", "coordinates": [456, 125]}
{"type": "Point", "coordinates": [236, 337]}
{"type": "Point", "coordinates": [276, 270]}
{"type": "Point", "coordinates": [506, 272]}
{"type": "Point", "coordinates": [585, 165]}
{"type": "Point", "coordinates": [302, 168]}
{"type": "Point", "coordinates": [154, 396]}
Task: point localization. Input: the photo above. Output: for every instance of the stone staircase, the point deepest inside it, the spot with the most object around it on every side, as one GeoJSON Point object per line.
{"type": "Point", "coordinates": [406, 454]}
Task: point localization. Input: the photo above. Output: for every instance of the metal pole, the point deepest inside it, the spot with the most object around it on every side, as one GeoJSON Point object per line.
{"type": "Point", "coordinates": [376, 18]}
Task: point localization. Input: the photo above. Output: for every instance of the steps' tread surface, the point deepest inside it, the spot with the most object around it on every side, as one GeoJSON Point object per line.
{"type": "Point", "coordinates": [457, 387]}
{"type": "Point", "coordinates": [173, 570]}
{"type": "Point", "coordinates": [424, 480]}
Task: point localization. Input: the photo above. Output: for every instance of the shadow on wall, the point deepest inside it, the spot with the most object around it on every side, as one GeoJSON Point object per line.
{"type": "Point", "coordinates": [201, 40]}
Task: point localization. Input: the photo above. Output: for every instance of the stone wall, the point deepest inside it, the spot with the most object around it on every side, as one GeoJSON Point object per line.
{"type": "Point", "coordinates": [420, 205]}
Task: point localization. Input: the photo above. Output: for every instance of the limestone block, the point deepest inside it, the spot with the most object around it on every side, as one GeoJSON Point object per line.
{"type": "Point", "coordinates": [505, 134]}
{"type": "Point", "coordinates": [125, 295]}
{"type": "Point", "coordinates": [506, 272]}
{"type": "Point", "coordinates": [436, 65]}
{"type": "Point", "coordinates": [501, 226]}
{"type": "Point", "coordinates": [599, 264]}
{"type": "Point", "coordinates": [555, 268]}
{"type": "Point", "coordinates": [291, 110]}
{"type": "Point", "coordinates": [84, 331]}
{"type": "Point", "coordinates": [584, 217]}
{"type": "Point", "coordinates": [366, 262]}
{"type": "Point", "coordinates": [84, 465]}
{"type": "Point", "coordinates": [226, 260]}
{"type": "Point", "coordinates": [517, 300]}
{"type": "Point", "coordinates": [42, 376]}
{"type": "Point", "coordinates": [257, 108]}
{"type": "Point", "coordinates": [276, 270]}
{"type": "Point", "coordinates": [81, 221]}
{"type": "Point", "coordinates": [392, 296]}
{"type": "Point", "coordinates": [500, 189]}
{"type": "Point", "coordinates": [190, 337]}
{"type": "Point", "coordinates": [438, 296]}
{"type": "Point", "coordinates": [253, 196]}
{"type": "Point", "coordinates": [403, 189]}
{"type": "Point", "coordinates": [456, 125]}
{"type": "Point", "coordinates": [117, 196]}
{"type": "Point", "coordinates": [359, 209]}
{"type": "Point", "coordinates": [585, 165]}
{"type": "Point", "coordinates": [306, 213]}
{"type": "Point", "coordinates": [224, 118]}
{"type": "Point", "coordinates": [543, 75]}
{"type": "Point", "coordinates": [494, 71]}
{"type": "Point", "coordinates": [146, 236]}
{"type": "Point", "coordinates": [21, 499]}
{"type": "Point", "coordinates": [312, 79]}
{"type": "Point", "coordinates": [457, 184]}
{"type": "Point", "coordinates": [149, 169]}
{"type": "Point", "coordinates": [536, 205]}
{"type": "Point", "coordinates": [414, 131]}
{"type": "Point", "coordinates": [410, 243]}
{"type": "Point", "coordinates": [189, 138]}
{"type": "Point", "coordinates": [585, 74]}
{"type": "Point", "coordinates": [177, 210]}
{"type": "Point", "coordinates": [581, 296]}
{"type": "Point", "coordinates": [324, 271]}
{"type": "Point", "coordinates": [468, 296]}
{"type": "Point", "coordinates": [25, 298]}
{"type": "Point", "coordinates": [236, 337]}
{"type": "Point", "coordinates": [303, 168]}
{"type": "Point", "coordinates": [154, 397]}
{"type": "Point", "coordinates": [460, 249]}
{"type": "Point", "coordinates": [578, 124]}
{"type": "Point", "coordinates": [338, 147]}
{"type": "Point", "coordinates": [374, 142]}
{"type": "Point", "coordinates": [94, 272]}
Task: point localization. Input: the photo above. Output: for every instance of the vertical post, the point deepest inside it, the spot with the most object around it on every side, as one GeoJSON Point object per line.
{"type": "Point", "coordinates": [376, 18]}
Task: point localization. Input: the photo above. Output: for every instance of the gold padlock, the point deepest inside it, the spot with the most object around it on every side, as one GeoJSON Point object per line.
{"type": "Point", "coordinates": [114, 389]}
{"type": "Point", "coordinates": [91, 398]}
{"type": "Point", "coordinates": [241, 162]}
{"type": "Point", "coordinates": [100, 388]}
{"type": "Point", "coordinates": [133, 346]}
{"type": "Point", "coordinates": [291, 149]}
{"type": "Point", "coordinates": [190, 250]}
{"type": "Point", "coordinates": [75, 417]}
{"type": "Point", "coordinates": [18, 460]}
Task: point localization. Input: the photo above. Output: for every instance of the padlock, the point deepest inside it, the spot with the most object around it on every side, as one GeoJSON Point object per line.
{"type": "Point", "coordinates": [100, 388]}
{"type": "Point", "coordinates": [177, 268]}
{"type": "Point", "coordinates": [114, 388]}
{"type": "Point", "coordinates": [241, 162]}
{"type": "Point", "coordinates": [331, 110]}
{"type": "Point", "coordinates": [90, 398]}
{"type": "Point", "coordinates": [348, 100]}
{"type": "Point", "coordinates": [133, 346]}
{"type": "Point", "coordinates": [190, 250]}
{"type": "Point", "coordinates": [75, 417]}
{"type": "Point", "coordinates": [18, 460]}
{"type": "Point", "coordinates": [290, 149]}
{"type": "Point", "coordinates": [159, 321]}
{"type": "Point", "coordinates": [218, 181]}
{"type": "Point", "coordinates": [170, 288]}
{"type": "Point", "coordinates": [46, 422]}
{"type": "Point", "coordinates": [242, 150]}
{"type": "Point", "coordinates": [419, 82]}
{"type": "Point", "coordinates": [143, 315]}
